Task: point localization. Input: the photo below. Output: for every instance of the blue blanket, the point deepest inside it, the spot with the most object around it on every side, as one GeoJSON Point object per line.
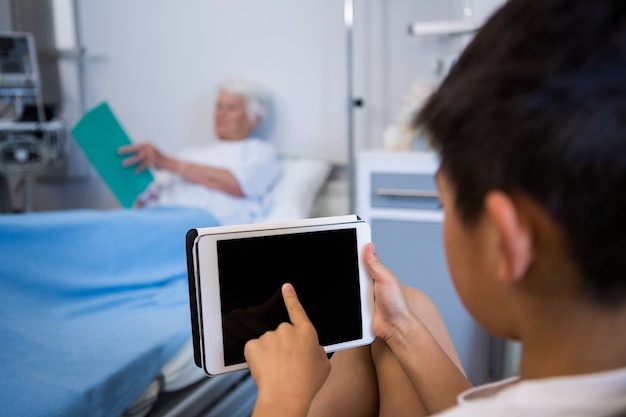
{"type": "Point", "coordinates": [92, 304]}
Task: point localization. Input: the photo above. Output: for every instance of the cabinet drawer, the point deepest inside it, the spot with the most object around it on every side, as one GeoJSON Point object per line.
{"type": "Point", "coordinates": [404, 191]}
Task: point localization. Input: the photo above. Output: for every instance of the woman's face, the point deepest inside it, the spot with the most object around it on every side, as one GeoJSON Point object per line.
{"type": "Point", "coordinates": [231, 120]}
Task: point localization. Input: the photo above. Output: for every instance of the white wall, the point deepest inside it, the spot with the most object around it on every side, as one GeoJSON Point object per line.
{"type": "Point", "coordinates": [5, 15]}
{"type": "Point", "coordinates": [388, 58]}
{"type": "Point", "coordinates": [157, 62]}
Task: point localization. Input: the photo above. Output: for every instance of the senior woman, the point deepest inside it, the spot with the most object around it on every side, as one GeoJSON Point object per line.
{"type": "Point", "coordinates": [230, 177]}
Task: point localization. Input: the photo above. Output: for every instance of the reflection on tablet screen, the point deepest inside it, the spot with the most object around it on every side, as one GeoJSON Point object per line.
{"type": "Point", "coordinates": [322, 266]}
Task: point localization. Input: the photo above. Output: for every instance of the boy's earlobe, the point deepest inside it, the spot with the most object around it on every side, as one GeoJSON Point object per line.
{"type": "Point", "coordinates": [514, 237]}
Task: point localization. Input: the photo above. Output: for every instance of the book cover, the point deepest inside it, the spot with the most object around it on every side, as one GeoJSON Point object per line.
{"type": "Point", "coordinates": [99, 134]}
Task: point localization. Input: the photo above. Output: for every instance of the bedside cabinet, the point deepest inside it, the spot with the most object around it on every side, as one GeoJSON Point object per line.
{"type": "Point", "coordinates": [397, 195]}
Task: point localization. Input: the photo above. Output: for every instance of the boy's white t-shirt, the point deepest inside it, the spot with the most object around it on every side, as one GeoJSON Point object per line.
{"type": "Point", "coordinates": [597, 394]}
{"type": "Point", "coordinates": [255, 164]}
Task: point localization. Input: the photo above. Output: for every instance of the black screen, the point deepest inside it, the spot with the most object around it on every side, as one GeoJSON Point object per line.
{"type": "Point", "coordinates": [14, 56]}
{"type": "Point", "coordinates": [322, 266]}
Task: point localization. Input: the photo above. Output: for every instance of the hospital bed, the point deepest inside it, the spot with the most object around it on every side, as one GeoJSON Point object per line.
{"type": "Point", "coordinates": [94, 311]}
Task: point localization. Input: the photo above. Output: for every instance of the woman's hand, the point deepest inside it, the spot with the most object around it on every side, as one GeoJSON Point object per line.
{"type": "Point", "coordinates": [288, 365]}
{"type": "Point", "coordinates": [145, 155]}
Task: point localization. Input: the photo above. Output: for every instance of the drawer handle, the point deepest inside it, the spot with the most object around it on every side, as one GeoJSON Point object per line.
{"type": "Point", "coordinates": [400, 192]}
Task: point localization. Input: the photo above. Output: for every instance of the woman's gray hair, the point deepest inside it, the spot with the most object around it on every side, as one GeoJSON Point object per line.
{"type": "Point", "coordinates": [254, 95]}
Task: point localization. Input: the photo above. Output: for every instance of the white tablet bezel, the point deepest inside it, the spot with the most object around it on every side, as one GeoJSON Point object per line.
{"type": "Point", "coordinates": [208, 292]}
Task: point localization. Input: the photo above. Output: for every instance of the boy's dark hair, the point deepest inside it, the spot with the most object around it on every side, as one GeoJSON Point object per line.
{"type": "Point", "coordinates": [537, 104]}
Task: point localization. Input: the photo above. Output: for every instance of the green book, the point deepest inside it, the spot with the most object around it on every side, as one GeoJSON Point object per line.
{"type": "Point", "coordinates": [99, 134]}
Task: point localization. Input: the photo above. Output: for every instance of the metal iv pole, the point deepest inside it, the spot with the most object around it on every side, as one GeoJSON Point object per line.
{"type": "Point", "coordinates": [348, 16]}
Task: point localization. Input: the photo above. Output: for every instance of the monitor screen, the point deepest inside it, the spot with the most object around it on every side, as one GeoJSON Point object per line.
{"type": "Point", "coordinates": [322, 266]}
{"type": "Point", "coordinates": [17, 65]}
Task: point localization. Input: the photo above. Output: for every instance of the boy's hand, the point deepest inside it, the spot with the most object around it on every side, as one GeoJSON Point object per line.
{"type": "Point", "coordinates": [391, 308]}
{"type": "Point", "coordinates": [288, 365]}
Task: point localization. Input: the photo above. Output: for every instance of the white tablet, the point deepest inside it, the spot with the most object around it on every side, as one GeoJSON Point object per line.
{"type": "Point", "coordinates": [236, 273]}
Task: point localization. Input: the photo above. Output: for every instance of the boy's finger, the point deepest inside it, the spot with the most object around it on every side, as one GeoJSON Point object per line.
{"type": "Point", "coordinates": [294, 308]}
{"type": "Point", "coordinates": [373, 263]}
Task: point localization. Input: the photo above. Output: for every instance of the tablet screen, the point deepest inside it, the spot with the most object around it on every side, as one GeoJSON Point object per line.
{"type": "Point", "coordinates": [322, 266]}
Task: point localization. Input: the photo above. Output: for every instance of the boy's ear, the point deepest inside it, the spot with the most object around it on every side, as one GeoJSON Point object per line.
{"type": "Point", "coordinates": [514, 237]}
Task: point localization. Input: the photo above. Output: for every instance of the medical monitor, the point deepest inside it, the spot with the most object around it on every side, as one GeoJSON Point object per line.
{"type": "Point", "coordinates": [18, 60]}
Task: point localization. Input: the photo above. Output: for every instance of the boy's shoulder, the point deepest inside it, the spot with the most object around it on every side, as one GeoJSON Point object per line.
{"type": "Point", "coordinates": [601, 393]}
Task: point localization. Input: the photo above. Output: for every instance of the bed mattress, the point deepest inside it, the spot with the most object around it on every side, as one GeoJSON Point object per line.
{"type": "Point", "coordinates": [93, 304]}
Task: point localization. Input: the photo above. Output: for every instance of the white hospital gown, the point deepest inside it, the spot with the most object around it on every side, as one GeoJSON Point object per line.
{"type": "Point", "coordinates": [252, 161]}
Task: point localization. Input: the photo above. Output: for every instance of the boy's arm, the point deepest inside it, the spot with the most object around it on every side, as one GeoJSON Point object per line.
{"type": "Point", "coordinates": [436, 377]}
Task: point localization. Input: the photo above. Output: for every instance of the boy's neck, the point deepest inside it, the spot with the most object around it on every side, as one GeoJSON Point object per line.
{"type": "Point", "coordinates": [570, 338]}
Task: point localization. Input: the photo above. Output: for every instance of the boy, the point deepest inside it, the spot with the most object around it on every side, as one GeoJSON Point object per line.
{"type": "Point", "coordinates": [531, 129]}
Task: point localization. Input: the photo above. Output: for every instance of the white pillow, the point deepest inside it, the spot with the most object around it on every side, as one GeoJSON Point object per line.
{"type": "Point", "coordinates": [294, 194]}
